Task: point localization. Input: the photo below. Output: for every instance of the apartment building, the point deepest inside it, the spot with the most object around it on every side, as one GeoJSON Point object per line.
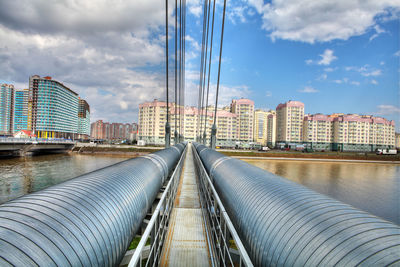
{"type": "Point", "coordinates": [271, 129]}
{"type": "Point", "coordinates": [289, 122]}
{"type": "Point", "coordinates": [264, 127]}
{"type": "Point", "coordinates": [397, 141]}
{"type": "Point", "coordinates": [113, 131]}
{"type": "Point", "coordinates": [318, 131]}
{"type": "Point", "coordinates": [227, 128]}
{"type": "Point", "coordinates": [244, 108]}
{"type": "Point", "coordinates": [353, 132]}
{"type": "Point", "coordinates": [21, 109]}
{"type": "Point", "coordinates": [6, 109]}
{"type": "Point", "coordinates": [152, 119]}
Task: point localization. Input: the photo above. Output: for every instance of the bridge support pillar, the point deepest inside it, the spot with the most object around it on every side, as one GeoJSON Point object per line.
{"type": "Point", "coordinates": [213, 136]}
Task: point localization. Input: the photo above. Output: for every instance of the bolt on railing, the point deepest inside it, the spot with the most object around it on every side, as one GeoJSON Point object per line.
{"type": "Point", "coordinates": [158, 224]}
{"type": "Point", "coordinates": [228, 248]}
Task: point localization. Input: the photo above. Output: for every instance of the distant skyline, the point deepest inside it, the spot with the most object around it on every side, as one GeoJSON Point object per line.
{"type": "Point", "coordinates": [341, 56]}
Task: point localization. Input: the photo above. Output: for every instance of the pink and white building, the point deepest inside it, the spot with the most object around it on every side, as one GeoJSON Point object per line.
{"type": "Point", "coordinates": [244, 108]}
{"type": "Point", "coordinates": [289, 122]}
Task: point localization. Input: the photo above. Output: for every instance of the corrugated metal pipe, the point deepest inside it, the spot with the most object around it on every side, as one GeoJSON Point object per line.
{"type": "Point", "coordinates": [282, 223]}
{"type": "Point", "coordinates": [86, 221]}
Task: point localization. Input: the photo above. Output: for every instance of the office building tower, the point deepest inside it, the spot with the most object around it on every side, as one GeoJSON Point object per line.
{"type": "Point", "coordinates": [21, 109]}
{"type": "Point", "coordinates": [83, 119]}
{"type": "Point", "coordinates": [6, 109]}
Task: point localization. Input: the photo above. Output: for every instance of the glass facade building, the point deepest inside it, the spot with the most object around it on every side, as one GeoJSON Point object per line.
{"type": "Point", "coordinates": [21, 110]}
{"type": "Point", "coordinates": [83, 119]}
{"type": "Point", "coordinates": [52, 108]}
{"type": "Point", "coordinates": [6, 109]}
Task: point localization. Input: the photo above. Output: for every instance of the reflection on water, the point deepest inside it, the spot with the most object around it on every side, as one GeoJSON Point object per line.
{"type": "Point", "coordinates": [19, 176]}
{"type": "Point", "coordinates": [372, 187]}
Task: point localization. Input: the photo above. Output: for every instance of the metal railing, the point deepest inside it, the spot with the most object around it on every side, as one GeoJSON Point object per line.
{"type": "Point", "coordinates": [228, 248]}
{"type": "Point", "coordinates": [158, 224]}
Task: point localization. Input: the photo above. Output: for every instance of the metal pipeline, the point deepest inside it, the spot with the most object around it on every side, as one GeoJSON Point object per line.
{"type": "Point", "coordinates": [282, 223]}
{"type": "Point", "coordinates": [86, 221]}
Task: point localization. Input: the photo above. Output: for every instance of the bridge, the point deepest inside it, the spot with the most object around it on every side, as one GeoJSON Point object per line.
{"type": "Point", "coordinates": [191, 206]}
{"type": "Point", "coordinates": [24, 146]}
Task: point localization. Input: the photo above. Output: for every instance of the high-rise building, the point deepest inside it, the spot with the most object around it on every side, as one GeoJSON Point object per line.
{"type": "Point", "coordinates": [264, 127]}
{"type": "Point", "coordinates": [6, 109]}
{"type": "Point", "coordinates": [152, 119]}
{"type": "Point", "coordinates": [289, 122]}
{"type": "Point", "coordinates": [21, 110]}
{"type": "Point", "coordinates": [52, 108]}
{"type": "Point", "coordinates": [227, 128]}
{"type": "Point", "coordinates": [354, 132]}
{"type": "Point", "coordinates": [244, 108]}
{"type": "Point", "coordinates": [318, 131]}
{"type": "Point", "coordinates": [397, 141]}
{"type": "Point", "coordinates": [83, 119]}
{"type": "Point", "coordinates": [271, 129]}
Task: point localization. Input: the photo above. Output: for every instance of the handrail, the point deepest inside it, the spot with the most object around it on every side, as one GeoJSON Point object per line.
{"type": "Point", "coordinates": [216, 211]}
{"type": "Point", "coordinates": [155, 225]}
{"type": "Point", "coordinates": [35, 140]}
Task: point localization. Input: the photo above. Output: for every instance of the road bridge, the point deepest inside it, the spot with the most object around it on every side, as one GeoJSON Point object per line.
{"type": "Point", "coordinates": [24, 146]}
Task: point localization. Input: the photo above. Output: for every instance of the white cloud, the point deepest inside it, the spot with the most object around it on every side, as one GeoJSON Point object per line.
{"type": "Point", "coordinates": [322, 77]}
{"type": "Point", "coordinates": [397, 54]}
{"type": "Point", "coordinates": [355, 83]}
{"type": "Point", "coordinates": [268, 94]}
{"type": "Point", "coordinates": [329, 69]}
{"type": "Point", "coordinates": [338, 81]}
{"type": "Point", "coordinates": [323, 20]}
{"type": "Point", "coordinates": [308, 89]}
{"type": "Point", "coordinates": [382, 63]}
{"type": "Point", "coordinates": [365, 70]}
{"type": "Point", "coordinates": [378, 31]}
{"type": "Point", "coordinates": [374, 82]}
{"type": "Point", "coordinates": [327, 57]}
{"type": "Point", "coordinates": [387, 110]}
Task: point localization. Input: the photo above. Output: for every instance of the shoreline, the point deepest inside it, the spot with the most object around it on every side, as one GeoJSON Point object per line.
{"type": "Point", "coordinates": [318, 159]}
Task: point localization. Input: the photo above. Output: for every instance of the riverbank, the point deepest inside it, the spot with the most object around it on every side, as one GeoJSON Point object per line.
{"type": "Point", "coordinates": [342, 156]}
{"type": "Point", "coordinates": [133, 151]}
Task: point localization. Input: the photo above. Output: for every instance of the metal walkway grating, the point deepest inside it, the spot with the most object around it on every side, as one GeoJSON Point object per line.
{"type": "Point", "coordinates": [186, 241]}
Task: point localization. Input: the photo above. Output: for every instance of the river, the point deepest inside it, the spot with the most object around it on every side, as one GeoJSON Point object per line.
{"type": "Point", "coordinates": [373, 187]}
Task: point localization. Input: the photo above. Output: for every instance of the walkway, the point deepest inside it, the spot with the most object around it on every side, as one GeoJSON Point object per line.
{"type": "Point", "coordinates": [186, 242]}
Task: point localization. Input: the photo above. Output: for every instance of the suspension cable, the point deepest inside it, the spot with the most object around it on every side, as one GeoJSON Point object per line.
{"type": "Point", "coordinates": [205, 61]}
{"type": "Point", "coordinates": [201, 69]}
{"type": "Point", "coordinates": [219, 63]}
{"type": "Point", "coordinates": [209, 64]}
{"type": "Point", "coordinates": [176, 66]}
{"type": "Point", "coordinates": [166, 53]}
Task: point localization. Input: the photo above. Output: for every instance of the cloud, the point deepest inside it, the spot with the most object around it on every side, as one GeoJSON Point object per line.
{"type": "Point", "coordinates": [355, 83]}
{"type": "Point", "coordinates": [365, 70]}
{"type": "Point", "coordinates": [313, 21]}
{"type": "Point", "coordinates": [326, 58]}
{"type": "Point", "coordinates": [114, 62]}
{"type": "Point", "coordinates": [374, 82]}
{"type": "Point", "coordinates": [378, 31]}
{"type": "Point", "coordinates": [308, 89]}
{"type": "Point", "coordinates": [388, 110]}
{"type": "Point", "coordinates": [329, 69]}
{"type": "Point", "coordinates": [322, 77]}
{"type": "Point", "coordinates": [397, 54]}
{"type": "Point", "coordinates": [268, 94]}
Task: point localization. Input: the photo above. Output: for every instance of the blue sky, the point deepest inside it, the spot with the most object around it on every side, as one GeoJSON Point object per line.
{"type": "Point", "coordinates": [356, 72]}
{"type": "Point", "coordinates": [335, 56]}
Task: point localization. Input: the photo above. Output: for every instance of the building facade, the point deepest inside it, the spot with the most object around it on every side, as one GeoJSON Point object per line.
{"type": "Point", "coordinates": [52, 108]}
{"type": "Point", "coordinates": [318, 131]}
{"type": "Point", "coordinates": [353, 132]}
{"type": "Point", "coordinates": [397, 142]}
{"type": "Point", "coordinates": [113, 131]}
{"type": "Point", "coordinates": [264, 127]}
{"type": "Point", "coordinates": [227, 128]}
{"type": "Point", "coordinates": [6, 109]}
{"type": "Point", "coordinates": [21, 110]}
{"type": "Point", "coordinates": [244, 108]}
{"type": "Point", "coordinates": [83, 119]}
{"type": "Point", "coordinates": [289, 122]}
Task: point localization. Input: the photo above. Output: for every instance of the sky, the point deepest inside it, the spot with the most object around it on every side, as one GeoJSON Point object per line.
{"type": "Point", "coordinates": [338, 56]}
